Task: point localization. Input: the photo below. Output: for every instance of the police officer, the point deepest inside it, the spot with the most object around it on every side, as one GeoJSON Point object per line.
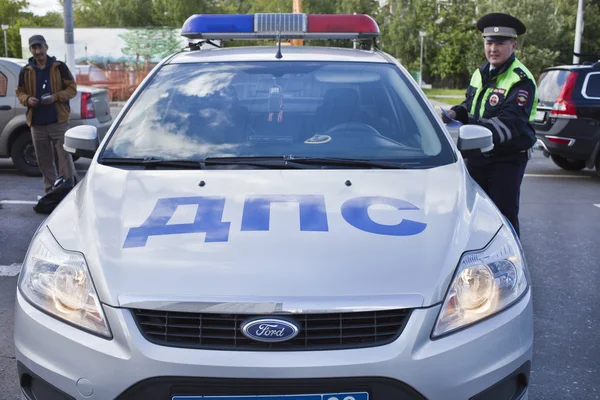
{"type": "Point", "coordinates": [502, 96]}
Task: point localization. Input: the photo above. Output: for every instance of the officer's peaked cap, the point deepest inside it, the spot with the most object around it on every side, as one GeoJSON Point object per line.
{"type": "Point", "coordinates": [498, 26]}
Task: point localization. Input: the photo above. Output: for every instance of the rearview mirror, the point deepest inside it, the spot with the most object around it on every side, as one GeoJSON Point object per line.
{"type": "Point", "coordinates": [82, 141]}
{"type": "Point", "coordinates": [474, 139]}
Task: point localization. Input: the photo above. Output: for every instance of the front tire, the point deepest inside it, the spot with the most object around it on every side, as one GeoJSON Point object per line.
{"type": "Point", "coordinates": [22, 153]}
{"type": "Point", "coordinates": [567, 163]}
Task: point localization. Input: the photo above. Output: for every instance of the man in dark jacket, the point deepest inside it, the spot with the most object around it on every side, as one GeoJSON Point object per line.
{"type": "Point", "coordinates": [45, 86]}
{"type": "Point", "coordinates": [502, 96]}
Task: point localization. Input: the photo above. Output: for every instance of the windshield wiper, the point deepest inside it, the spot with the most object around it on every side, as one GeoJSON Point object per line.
{"type": "Point", "coordinates": [291, 161]}
{"type": "Point", "coordinates": [351, 162]}
{"type": "Point", "coordinates": [276, 162]}
{"type": "Point", "coordinates": [151, 162]}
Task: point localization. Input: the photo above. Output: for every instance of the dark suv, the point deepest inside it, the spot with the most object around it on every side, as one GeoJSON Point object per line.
{"type": "Point", "coordinates": [567, 123]}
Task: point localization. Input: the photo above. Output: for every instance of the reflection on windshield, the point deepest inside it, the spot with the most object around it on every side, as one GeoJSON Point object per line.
{"type": "Point", "coordinates": [550, 85]}
{"type": "Point", "coordinates": [347, 110]}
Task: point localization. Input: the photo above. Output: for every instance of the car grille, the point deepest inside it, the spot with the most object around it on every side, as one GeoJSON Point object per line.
{"type": "Point", "coordinates": [317, 331]}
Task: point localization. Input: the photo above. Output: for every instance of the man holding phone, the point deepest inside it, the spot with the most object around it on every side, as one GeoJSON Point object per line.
{"type": "Point", "coordinates": [45, 87]}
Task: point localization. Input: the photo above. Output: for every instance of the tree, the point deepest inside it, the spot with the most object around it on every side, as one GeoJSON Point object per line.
{"type": "Point", "coordinates": [453, 46]}
{"type": "Point", "coordinates": [590, 46]}
{"type": "Point", "coordinates": [175, 12]}
{"type": "Point", "coordinates": [456, 42]}
{"type": "Point", "coordinates": [113, 13]}
{"type": "Point", "coordinates": [10, 12]}
{"type": "Point", "coordinates": [147, 44]}
{"type": "Point", "coordinates": [400, 32]}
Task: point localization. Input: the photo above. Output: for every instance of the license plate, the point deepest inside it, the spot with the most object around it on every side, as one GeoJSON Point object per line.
{"type": "Point", "coordinates": [330, 396]}
{"type": "Point", "coordinates": [540, 116]}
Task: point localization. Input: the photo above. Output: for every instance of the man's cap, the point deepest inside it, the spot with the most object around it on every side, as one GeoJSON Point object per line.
{"type": "Point", "coordinates": [499, 27]}
{"type": "Point", "coordinates": [36, 39]}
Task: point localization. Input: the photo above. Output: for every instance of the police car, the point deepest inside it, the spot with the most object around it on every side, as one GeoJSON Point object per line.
{"type": "Point", "coordinates": [276, 222]}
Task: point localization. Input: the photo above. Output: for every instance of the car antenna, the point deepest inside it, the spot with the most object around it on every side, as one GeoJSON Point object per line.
{"type": "Point", "coordinates": [279, 56]}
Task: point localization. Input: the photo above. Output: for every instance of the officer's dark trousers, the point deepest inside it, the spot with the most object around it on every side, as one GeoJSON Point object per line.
{"type": "Point", "coordinates": [500, 176]}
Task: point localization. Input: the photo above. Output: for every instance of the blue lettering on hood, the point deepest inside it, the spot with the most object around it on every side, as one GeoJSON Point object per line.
{"type": "Point", "coordinates": [356, 213]}
{"type": "Point", "coordinates": [257, 212]}
{"type": "Point", "coordinates": [256, 217]}
{"type": "Point", "coordinates": [208, 220]}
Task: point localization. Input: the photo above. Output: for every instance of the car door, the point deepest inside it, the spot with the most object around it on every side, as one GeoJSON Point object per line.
{"type": "Point", "coordinates": [8, 98]}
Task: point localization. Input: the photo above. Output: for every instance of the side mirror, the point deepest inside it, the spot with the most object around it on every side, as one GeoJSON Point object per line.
{"type": "Point", "coordinates": [474, 139]}
{"type": "Point", "coordinates": [82, 141]}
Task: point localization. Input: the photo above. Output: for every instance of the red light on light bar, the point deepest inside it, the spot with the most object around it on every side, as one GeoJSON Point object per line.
{"type": "Point", "coordinates": [362, 24]}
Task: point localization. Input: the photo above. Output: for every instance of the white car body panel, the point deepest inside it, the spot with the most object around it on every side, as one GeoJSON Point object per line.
{"type": "Point", "coordinates": [298, 264]}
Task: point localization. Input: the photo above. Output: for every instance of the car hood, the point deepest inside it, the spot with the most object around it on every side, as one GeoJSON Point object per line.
{"type": "Point", "coordinates": [166, 238]}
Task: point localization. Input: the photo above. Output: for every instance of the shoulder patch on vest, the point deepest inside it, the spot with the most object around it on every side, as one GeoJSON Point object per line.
{"type": "Point", "coordinates": [521, 73]}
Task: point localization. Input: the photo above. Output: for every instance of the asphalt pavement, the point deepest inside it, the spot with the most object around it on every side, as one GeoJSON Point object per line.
{"type": "Point", "coordinates": [560, 220]}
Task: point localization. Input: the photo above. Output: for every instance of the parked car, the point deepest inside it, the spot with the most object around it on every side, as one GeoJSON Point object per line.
{"type": "Point", "coordinates": [567, 123]}
{"type": "Point", "coordinates": [89, 107]}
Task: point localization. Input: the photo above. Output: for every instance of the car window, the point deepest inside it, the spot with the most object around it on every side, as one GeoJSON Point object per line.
{"type": "Point", "coordinates": [3, 85]}
{"type": "Point", "coordinates": [592, 87]}
{"type": "Point", "coordinates": [550, 84]}
{"type": "Point", "coordinates": [349, 110]}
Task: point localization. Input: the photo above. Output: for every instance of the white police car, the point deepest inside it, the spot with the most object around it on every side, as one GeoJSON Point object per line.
{"type": "Point", "coordinates": [282, 223]}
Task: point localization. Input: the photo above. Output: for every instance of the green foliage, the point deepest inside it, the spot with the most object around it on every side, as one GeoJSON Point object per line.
{"type": "Point", "coordinates": [453, 47]}
{"type": "Point", "coordinates": [146, 44]}
{"type": "Point", "coordinates": [113, 13]}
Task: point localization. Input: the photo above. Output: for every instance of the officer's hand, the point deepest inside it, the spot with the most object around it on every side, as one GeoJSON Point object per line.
{"type": "Point", "coordinates": [451, 114]}
{"type": "Point", "coordinates": [48, 100]}
{"type": "Point", "coordinates": [32, 102]}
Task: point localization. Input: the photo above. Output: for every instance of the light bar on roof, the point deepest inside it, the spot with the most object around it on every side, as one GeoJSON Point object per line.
{"type": "Point", "coordinates": [268, 26]}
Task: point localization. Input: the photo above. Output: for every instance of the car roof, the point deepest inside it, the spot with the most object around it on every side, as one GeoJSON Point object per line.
{"type": "Point", "coordinates": [15, 63]}
{"type": "Point", "coordinates": [289, 53]}
{"type": "Point", "coordinates": [20, 61]}
{"type": "Point", "coordinates": [571, 67]}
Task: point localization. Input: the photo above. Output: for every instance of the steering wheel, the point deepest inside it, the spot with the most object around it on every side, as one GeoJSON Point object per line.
{"type": "Point", "coordinates": [352, 126]}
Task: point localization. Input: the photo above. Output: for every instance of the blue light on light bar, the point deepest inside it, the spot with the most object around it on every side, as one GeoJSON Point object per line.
{"type": "Point", "coordinates": [196, 25]}
{"type": "Point", "coordinates": [286, 25]}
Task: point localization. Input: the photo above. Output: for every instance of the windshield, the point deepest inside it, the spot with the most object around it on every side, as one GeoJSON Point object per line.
{"type": "Point", "coordinates": [196, 111]}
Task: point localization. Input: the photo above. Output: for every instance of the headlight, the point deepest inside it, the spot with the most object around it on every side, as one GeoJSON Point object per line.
{"type": "Point", "coordinates": [486, 283]}
{"type": "Point", "coordinates": [58, 282]}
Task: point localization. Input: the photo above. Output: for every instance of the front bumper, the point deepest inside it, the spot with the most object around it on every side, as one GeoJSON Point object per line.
{"type": "Point", "coordinates": [495, 354]}
{"type": "Point", "coordinates": [583, 136]}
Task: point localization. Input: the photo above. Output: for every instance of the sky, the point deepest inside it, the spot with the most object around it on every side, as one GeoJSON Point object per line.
{"type": "Point", "coordinates": [41, 7]}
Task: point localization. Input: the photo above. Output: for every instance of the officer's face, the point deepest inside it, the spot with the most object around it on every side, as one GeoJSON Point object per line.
{"type": "Point", "coordinates": [497, 53]}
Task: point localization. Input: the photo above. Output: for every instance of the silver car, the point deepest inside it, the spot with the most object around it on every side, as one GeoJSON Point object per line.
{"type": "Point", "coordinates": [266, 223]}
{"type": "Point", "coordinates": [89, 107]}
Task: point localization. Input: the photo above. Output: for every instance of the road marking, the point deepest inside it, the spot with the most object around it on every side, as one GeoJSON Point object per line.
{"type": "Point", "coordinates": [17, 202]}
{"type": "Point", "coordinates": [597, 205]}
{"type": "Point", "coordinates": [10, 270]}
{"type": "Point", "coordinates": [556, 176]}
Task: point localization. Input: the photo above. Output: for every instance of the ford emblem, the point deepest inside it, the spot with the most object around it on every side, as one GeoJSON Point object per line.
{"type": "Point", "coordinates": [269, 330]}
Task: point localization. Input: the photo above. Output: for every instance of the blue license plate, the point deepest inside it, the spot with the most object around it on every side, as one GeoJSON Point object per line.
{"type": "Point", "coordinates": [330, 396]}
